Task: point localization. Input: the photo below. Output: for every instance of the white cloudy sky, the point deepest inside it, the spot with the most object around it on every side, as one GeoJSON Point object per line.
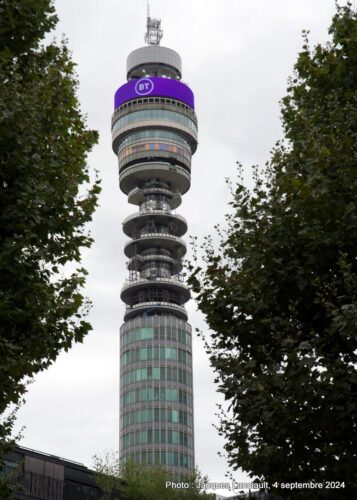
{"type": "Point", "coordinates": [237, 56]}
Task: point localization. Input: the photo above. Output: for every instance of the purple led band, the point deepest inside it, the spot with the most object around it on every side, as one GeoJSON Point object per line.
{"type": "Point", "coordinates": [154, 86]}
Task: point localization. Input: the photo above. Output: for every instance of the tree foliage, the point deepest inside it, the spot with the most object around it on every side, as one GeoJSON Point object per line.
{"type": "Point", "coordinates": [46, 198]}
{"type": "Point", "coordinates": [140, 482]}
{"type": "Point", "coordinates": [154, 483]}
{"type": "Point", "coordinates": [107, 473]}
{"type": "Point", "coordinates": [280, 293]}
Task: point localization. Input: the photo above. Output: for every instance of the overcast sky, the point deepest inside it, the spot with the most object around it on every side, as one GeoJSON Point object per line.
{"type": "Point", "coordinates": [237, 56]}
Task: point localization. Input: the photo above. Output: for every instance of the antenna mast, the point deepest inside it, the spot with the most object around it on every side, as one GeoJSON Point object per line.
{"type": "Point", "coordinates": [154, 32]}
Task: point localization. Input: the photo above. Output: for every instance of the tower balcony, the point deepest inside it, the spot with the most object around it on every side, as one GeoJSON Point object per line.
{"type": "Point", "coordinates": [133, 155]}
{"type": "Point", "coordinates": [133, 223]}
{"type": "Point", "coordinates": [173, 285]}
{"type": "Point", "coordinates": [137, 196]}
{"type": "Point", "coordinates": [136, 175]}
{"type": "Point", "coordinates": [137, 262]}
{"type": "Point", "coordinates": [167, 241]}
{"type": "Point", "coordinates": [153, 307]}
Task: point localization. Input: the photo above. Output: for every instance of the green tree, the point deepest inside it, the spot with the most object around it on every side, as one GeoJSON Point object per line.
{"type": "Point", "coordinates": [280, 292]}
{"type": "Point", "coordinates": [146, 483]}
{"type": "Point", "coordinates": [107, 473]}
{"type": "Point", "coordinates": [46, 199]}
{"type": "Point", "coordinates": [139, 482]}
{"type": "Point", "coordinates": [155, 483]}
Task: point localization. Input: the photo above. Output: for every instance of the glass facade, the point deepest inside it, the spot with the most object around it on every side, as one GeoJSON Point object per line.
{"type": "Point", "coordinates": [144, 328]}
{"type": "Point", "coordinates": [157, 414]}
{"type": "Point", "coordinates": [152, 147]}
{"type": "Point", "coordinates": [163, 373]}
{"type": "Point", "coordinates": [158, 436]}
{"type": "Point", "coordinates": [154, 114]}
{"type": "Point", "coordinates": [156, 391]}
{"type": "Point", "coordinates": [156, 352]}
{"type": "Point", "coordinates": [163, 457]}
{"type": "Point", "coordinates": [148, 393]}
{"type": "Point", "coordinates": [153, 134]}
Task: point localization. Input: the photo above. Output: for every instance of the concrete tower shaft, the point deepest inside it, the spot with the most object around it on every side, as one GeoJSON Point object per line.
{"type": "Point", "coordinates": [154, 130]}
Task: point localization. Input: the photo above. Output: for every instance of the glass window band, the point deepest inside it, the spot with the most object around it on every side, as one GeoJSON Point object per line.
{"type": "Point", "coordinates": [152, 134]}
{"type": "Point", "coordinates": [161, 353]}
{"type": "Point", "coordinates": [157, 436]}
{"type": "Point", "coordinates": [151, 457]}
{"type": "Point", "coordinates": [162, 373]}
{"type": "Point", "coordinates": [143, 394]}
{"type": "Point", "coordinates": [158, 414]}
{"type": "Point", "coordinates": [154, 114]}
{"type": "Point", "coordinates": [177, 331]}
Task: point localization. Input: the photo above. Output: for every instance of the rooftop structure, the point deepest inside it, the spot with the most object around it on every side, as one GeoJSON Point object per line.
{"type": "Point", "coordinates": [154, 32]}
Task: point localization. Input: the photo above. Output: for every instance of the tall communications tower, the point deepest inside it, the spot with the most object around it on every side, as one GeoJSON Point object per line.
{"type": "Point", "coordinates": [154, 129]}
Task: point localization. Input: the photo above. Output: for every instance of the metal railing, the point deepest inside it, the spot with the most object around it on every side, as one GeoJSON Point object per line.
{"type": "Point", "coordinates": [158, 235]}
{"type": "Point", "coordinates": [154, 212]}
{"type": "Point", "coordinates": [156, 303]}
{"type": "Point", "coordinates": [170, 281]}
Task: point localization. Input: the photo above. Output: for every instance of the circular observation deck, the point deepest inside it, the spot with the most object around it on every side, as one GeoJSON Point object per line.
{"type": "Point", "coordinates": [137, 175]}
{"type": "Point", "coordinates": [171, 284]}
{"type": "Point", "coordinates": [137, 196]}
{"type": "Point", "coordinates": [134, 222]}
{"type": "Point", "coordinates": [154, 151]}
{"type": "Point", "coordinates": [139, 261]}
{"type": "Point", "coordinates": [151, 308]}
{"type": "Point", "coordinates": [166, 241]}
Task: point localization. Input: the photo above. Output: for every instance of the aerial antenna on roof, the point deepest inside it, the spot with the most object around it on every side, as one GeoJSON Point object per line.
{"type": "Point", "coordinates": [154, 32]}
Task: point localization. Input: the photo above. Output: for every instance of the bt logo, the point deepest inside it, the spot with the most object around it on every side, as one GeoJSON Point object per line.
{"type": "Point", "coordinates": [144, 86]}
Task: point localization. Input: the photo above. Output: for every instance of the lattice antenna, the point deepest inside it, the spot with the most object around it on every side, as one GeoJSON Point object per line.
{"type": "Point", "coordinates": [154, 32]}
